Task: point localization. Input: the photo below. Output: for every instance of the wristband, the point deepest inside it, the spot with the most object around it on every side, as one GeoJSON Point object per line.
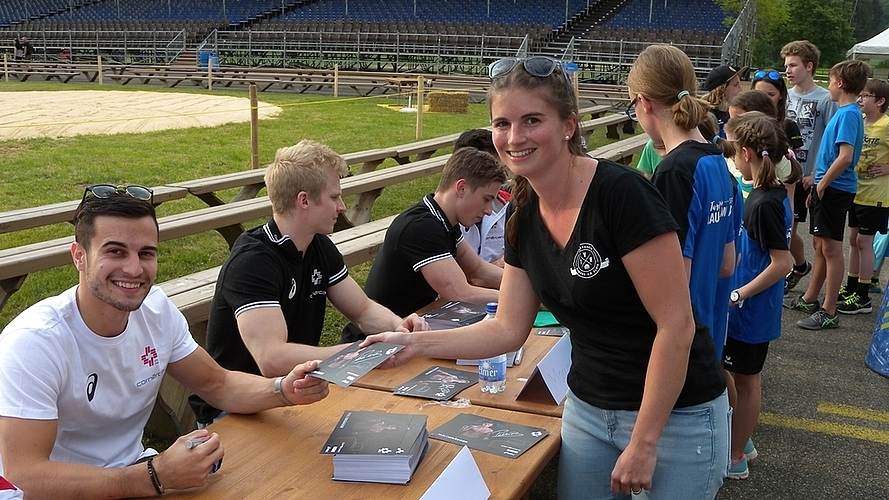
{"type": "Point", "coordinates": [152, 474]}
{"type": "Point", "coordinates": [280, 392]}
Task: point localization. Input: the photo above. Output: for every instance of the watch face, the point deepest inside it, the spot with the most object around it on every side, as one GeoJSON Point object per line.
{"type": "Point", "coordinates": [735, 296]}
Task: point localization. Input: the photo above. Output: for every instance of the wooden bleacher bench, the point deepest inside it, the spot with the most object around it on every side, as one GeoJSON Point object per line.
{"type": "Point", "coordinates": [369, 186]}
{"type": "Point", "coordinates": [621, 151]}
{"type": "Point", "coordinates": [599, 93]}
{"type": "Point", "coordinates": [594, 111]}
{"type": "Point", "coordinates": [612, 122]}
{"type": "Point", "coordinates": [252, 181]}
{"type": "Point", "coordinates": [27, 218]}
{"type": "Point", "coordinates": [22, 71]}
{"type": "Point", "coordinates": [16, 263]}
{"type": "Point", "coordinates": [205, 189]}
{"type": "Point", "coordinates": [423, 149]}
{"type": "Point", "coordinates": [61, 76]}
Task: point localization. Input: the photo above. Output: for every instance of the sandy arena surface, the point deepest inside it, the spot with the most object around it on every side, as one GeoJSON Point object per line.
{"type": "Point", "coordinates": [66, 113]}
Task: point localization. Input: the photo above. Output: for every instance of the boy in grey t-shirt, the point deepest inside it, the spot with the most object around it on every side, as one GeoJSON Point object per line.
{"type": "Point", "coordinates": [811, 108]}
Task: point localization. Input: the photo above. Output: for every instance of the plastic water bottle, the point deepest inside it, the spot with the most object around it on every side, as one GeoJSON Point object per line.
{"type": "Point", "coordinates": [492, 371]}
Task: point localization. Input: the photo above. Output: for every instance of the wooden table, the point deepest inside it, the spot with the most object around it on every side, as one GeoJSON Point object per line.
{"type": "Point", "coordinates": [535, 348]}
{"type": "Point", "coordinates": [275, 453]}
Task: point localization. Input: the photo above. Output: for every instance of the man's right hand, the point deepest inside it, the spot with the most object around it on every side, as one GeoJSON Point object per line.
{"type": "Point", "coordinates": [180, 467]}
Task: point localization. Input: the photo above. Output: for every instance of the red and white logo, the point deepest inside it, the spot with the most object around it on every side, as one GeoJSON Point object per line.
{"type": "Point", "coordinates": [150, 356]}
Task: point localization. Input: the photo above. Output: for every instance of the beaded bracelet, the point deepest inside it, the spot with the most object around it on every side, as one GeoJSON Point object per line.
{"type": "Point", "coordinates": [152, 474]}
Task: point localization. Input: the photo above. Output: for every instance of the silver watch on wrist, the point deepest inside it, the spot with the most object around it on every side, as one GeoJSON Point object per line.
{"type": "Point", "coordinates": [279, 391]}
{"type": "Point", "coordinates": [735, 297]}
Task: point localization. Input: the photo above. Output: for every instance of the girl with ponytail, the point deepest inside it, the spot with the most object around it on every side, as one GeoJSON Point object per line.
{"type": "Point", "coordinates": [693, 177]}
{"type": "Point", "coordinates": [764, 248]}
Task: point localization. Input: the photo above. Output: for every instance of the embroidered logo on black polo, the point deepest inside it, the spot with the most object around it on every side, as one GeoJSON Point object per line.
{"type": "Point", "coordinates": [316, 277]}
{"type": "Point", "coordinates": [292, 288]}
{"type": "Point", "coordinates": [587, 262]}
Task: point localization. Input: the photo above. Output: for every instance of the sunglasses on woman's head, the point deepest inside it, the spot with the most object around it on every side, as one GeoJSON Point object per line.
{"type": "Point", "coordinates": [767, 75]}
{"type": "Point", "coordinates": [539, 66]}
{"type": "Point", "coordinates": [108, 190]}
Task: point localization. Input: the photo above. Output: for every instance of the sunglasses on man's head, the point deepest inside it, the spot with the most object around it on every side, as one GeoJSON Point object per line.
{"type": "Point", "coordinates": [108, 190]}
{"type": "Point", "coordinates": [539, 66]}
{"type": "Point", "coordinates": [767, 75]}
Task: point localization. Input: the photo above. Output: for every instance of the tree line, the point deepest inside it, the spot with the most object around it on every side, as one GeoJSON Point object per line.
{"type": "Point", "coordinates": [833, 25]}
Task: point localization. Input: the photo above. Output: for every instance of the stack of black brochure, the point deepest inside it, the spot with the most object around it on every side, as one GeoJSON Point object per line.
{"type": "Point", "coordinates": [376, 447]}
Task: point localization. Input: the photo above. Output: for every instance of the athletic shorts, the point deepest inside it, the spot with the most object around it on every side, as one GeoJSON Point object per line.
{"type": "Point", "coordinates": [829, 214]}
{"type": "Point", "coordinates": [869, 220]}
{"type": "Point", "coordinates": [743, 358]}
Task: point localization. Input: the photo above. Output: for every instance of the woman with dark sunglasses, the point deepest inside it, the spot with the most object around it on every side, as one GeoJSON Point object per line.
{"type": "Point", "coordinates": [593, 241]}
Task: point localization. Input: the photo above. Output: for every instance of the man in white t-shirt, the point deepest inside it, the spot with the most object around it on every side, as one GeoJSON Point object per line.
{"type": "Point", "coordinates": [79, 372]}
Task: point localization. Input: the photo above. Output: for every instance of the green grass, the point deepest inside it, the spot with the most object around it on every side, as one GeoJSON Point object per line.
{"type": "Point", "coordinates": [42, 171]}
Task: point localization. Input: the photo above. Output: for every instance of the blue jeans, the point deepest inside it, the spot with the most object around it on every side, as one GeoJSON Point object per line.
{"type": "Point", "coordinates": [692, 452]}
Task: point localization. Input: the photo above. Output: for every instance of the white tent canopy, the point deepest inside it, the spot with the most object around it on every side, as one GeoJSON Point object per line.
{"type": "Point", "coordinates": [875, 48]}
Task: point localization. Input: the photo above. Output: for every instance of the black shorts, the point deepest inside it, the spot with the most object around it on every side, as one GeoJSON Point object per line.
{"type": "Point", "coordinates": [743, 358]}
{"type": "Point", "coordinates": [829, 214]}
{"type": "Point", "coordinates": [799, 203]}
{"type": "Point", "coordinates": [869, 220]}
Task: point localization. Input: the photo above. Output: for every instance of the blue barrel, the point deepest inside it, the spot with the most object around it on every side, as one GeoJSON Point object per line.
{"type": "Point", "coordinates": [877, 358]}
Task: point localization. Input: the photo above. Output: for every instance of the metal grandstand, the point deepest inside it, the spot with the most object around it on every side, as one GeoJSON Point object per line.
{"type": "Point", "coordinates": [602, 45]}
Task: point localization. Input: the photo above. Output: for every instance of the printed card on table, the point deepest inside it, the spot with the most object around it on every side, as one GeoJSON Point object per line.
{"type": "Point", "coordinates": [489, 435]}
{"type": "Point", "coordinates": [352, 363]}
{"type": "Point", "coordinates": [437, 383]}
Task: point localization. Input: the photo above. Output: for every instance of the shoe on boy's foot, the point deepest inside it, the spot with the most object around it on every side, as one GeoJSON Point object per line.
{"type": "Point", "coordinates": [875, 286]}
{"type": "Point", "coordinates": [844, 294]}
{"type": "Point", "coordinates": [750, 451]}
{"type": "Point", "coordinates": [854, 305]}
{"type": "Point", "coordinates": [800, 304]}
{"type": "Point", "coordinates": [739, 470]}
{"type": "Point", "coordinates": [819, 321]}
{"type": "Point", "coordinates": [793, 277]}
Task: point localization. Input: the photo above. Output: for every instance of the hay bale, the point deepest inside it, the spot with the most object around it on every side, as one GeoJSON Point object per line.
{"type": "Point", "coordinates": [448, 102]}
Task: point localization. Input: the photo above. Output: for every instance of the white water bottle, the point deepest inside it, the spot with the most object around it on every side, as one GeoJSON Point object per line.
{"type": "Point", "coordinates": [492, 371]}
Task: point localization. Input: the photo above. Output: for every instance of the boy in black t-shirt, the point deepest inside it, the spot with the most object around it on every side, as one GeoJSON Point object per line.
{"type": "Point", "coordinates": [424, 255]}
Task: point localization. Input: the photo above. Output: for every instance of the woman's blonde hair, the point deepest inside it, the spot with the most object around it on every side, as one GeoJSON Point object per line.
{"type": "Point", "coordinates": [664, 74]}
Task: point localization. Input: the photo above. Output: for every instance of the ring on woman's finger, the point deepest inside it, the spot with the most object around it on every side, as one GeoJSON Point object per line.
{"type": "Point", "coordinates": [636, 492]}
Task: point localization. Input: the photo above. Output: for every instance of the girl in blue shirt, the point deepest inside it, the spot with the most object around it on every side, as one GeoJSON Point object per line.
{"type": "Point", "coordinates": [764, 260]}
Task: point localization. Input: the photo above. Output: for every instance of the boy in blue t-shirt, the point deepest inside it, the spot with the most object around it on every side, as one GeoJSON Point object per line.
{"type": "Point", "coordinates": [831, 197]}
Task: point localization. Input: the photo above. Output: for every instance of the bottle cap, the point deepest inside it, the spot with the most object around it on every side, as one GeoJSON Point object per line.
{"type": "Point", "coordinates": [491, 308]}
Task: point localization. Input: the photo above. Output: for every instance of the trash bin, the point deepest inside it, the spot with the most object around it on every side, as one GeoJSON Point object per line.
{"type": "Point", "coordinates": [207, 57]}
